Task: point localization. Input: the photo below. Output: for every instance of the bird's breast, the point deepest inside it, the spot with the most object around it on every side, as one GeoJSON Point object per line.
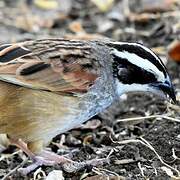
{"type": "Point", "coordinates": [33, 114]}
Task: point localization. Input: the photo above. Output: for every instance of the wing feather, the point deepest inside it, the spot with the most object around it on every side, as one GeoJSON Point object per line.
{"type": "Point", "coordinates": [53, 65]}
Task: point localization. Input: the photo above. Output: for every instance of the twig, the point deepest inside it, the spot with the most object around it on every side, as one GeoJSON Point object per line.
{"type": "Point", "coordinates": [37, 172]}
{"type": "Point", "coordinates": [147, 144]}
{"type": "Point", "coordinates": [159, 157]}
{"type": "Point", "coordinates": [138, 118]}
{"type": "Point", "coordinates": [111, 152]}
{"type": "Point", "coordinates": [164, 116]}
{"type": "Point", "coordinates": [3, 156]}
{"type": "Point", "coordinates": [127, 141]}
{"type": "Point", "coordinates": [174, 155]}
{"type": "Point", "coordinates": [99, 171]}
{"type": "Point", "coordinates": [155, 170]}
{"type": "Point", "coordinates": [15, 169]}
{"type": "Point", "coordinates": [124, 161]}
{"type": "Point", "coordinates": [141, 169]}
{"type": "Point", "coordinates": [133, 32]}
{"type": "Point", "coordinates": [174, 107]}
{"type": "Point", "coordinates": [135, 17]}
{"type": "Point", "coordinates": [171, 119]}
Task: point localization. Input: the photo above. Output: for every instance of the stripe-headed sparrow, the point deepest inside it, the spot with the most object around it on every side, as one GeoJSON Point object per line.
{"type": "Point", "coordinates": [50, 86]}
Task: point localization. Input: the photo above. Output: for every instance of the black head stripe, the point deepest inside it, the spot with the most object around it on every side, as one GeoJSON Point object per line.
{"type": "Point", "coordinates": [128, 73]}
{"type": "Point", "coordinates": [139, 51]}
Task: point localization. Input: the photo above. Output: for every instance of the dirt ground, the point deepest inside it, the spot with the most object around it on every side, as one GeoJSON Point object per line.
{"type": "Point", "coordinates": [138, 137]}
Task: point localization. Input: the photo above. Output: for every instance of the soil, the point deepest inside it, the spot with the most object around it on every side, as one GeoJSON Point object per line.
{"type": "Point", "coordinates": [144, 148]}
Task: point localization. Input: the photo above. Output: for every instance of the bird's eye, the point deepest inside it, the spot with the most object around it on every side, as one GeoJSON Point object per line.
{"type": "Point", "coordinates": [132, 74]}
{"type": "Point", "coordinates": [121, 66]}
{"type": "Point", "coordinates": [123, 72]}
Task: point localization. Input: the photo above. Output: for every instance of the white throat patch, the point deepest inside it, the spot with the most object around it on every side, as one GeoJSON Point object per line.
{"type": "Point", "coordinates": [125, 88]}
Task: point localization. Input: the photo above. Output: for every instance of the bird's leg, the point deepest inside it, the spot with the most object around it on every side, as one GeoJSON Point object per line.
{"type": "Point", "coordinates": [43, 157]}
{"type": "Point", "coordinates": [37, 148]}
{"type": "Point", "coordinates": [21, 145]}
{"type": "Point", "coordinates": [54, 157]}
{"type": "Point", "coordinates": [40, 158]}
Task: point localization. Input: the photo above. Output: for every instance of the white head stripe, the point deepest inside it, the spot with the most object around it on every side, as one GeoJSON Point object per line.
{"type": "Point", "coordinates": [138, 61]}
{"type": "Point", "coordinates": [143, 47]}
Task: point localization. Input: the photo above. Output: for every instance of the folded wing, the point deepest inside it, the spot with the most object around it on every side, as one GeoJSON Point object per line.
{"type": "Point", "coordinates": [53, 65]}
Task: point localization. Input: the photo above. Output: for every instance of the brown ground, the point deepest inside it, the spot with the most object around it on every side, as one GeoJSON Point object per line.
{"type": "Point", "coordinates": [136, 149]}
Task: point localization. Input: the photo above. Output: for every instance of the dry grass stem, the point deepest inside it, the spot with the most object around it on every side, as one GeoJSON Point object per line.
{"type": "Point", "coordinates": [164, 116]}
{"type": "Point", "coordinates": [38, 173]}
{"type": "Point", "coordinates": [14, 170]}
{"type": "Point", "coordinates": [101, 171]}
{"type": "Point", "coordinates": [174, 155]}
{"type": "Point", "coordinates": [141, 169]}
{"type": "Point", "coordinates": [147, 144]}
{"type": "Point", "coordinates": [159, 157]}
{"type": "Point", "coordinates": [5, 156]}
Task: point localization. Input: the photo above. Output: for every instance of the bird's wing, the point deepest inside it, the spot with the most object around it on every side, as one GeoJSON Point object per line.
{"type": "Point", "coordinates": [56, 65]}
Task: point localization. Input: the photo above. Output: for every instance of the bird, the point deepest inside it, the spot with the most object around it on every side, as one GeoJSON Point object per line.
{"type": "Point", "coordinates": [49, 86]}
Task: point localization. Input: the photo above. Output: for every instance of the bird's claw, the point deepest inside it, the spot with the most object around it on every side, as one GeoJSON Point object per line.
{"type": "Point", "coordinates": [40, 160]}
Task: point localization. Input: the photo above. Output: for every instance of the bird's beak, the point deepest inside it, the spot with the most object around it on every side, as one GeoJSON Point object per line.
{"type": "Point", "coordinates": [168, 89]}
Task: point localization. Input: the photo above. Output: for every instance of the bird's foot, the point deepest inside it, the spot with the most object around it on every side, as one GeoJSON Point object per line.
{"type": "Point", "coordinates": [67, 164]}
{"type": "Point", "coordinates": [55, 157]}
{"type": "Point", "coordinates": [45, 158]}
{"type": "Point", "coordinates": [38, 161]}
{"type": "Point", "coordinates": [78, 166]}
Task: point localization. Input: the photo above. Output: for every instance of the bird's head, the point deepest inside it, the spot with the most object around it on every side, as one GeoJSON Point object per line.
{"type": "Point", "coordinates": [137, 68]}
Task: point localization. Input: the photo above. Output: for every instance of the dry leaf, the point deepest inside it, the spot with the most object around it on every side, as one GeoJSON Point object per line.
{"type": "Point", "coordinates": [151, 6]}
{"type": "Point", "coordinates": [88, 139]}
{"type": "Point", "coordinates": [143, 18]}
{"type": "Point", "coordinates": [76, 27]}
{"type": "Point", "coordinates": [167, 170]}
{"type": "Point", "coordinates": [55, 175]}
{"type": "Point", "coordinates": [174, 51]}
{"type": "Point", "coordinates": [46, 4]}
{"type": "Point", "coordinates": [27, 23]}
{"type": "Point", "coordinates": [103, 5]}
